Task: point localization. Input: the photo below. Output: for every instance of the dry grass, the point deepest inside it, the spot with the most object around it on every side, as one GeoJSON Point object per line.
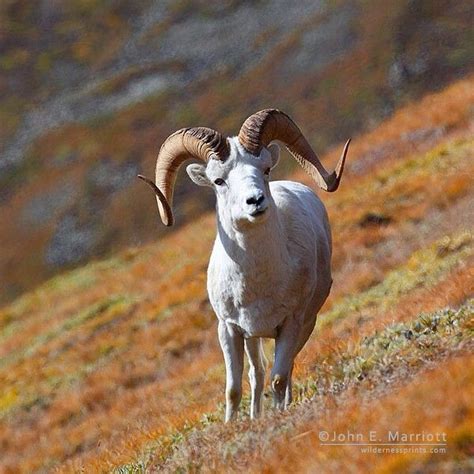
{"type": "Point", "coordinates": [343, 390]}
{"type": "Point", "coordinates": [436, 401]}
{"type": "Point", "coordinates": [103, 366]}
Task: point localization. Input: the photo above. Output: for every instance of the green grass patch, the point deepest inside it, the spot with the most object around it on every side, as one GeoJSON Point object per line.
{"type": "Point", "coordinates": [112, 306]}
{"type": "Point", "coordinates": [424, 268]}
{"type": "Point", "coordinates": [392, 186]}
{"type": "Point", "coordinates": [402, 344]}
{"type": "Point", "coordinates": [12, 316]}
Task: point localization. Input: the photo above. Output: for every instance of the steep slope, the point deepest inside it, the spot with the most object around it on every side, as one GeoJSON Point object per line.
{"type": "Point", "coordinates": [89, 90]}
{"type": "Point", "coordinates": [116, 365]}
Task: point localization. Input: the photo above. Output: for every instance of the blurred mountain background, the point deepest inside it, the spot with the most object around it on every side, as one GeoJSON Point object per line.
{"type": "Point", "coordinates": [89, 89]}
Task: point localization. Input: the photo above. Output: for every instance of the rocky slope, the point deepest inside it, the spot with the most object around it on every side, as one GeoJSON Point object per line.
{"type": "Point", "coordinates": [115, 366]}
{"type": "Point", "coordinates": [88, 91]}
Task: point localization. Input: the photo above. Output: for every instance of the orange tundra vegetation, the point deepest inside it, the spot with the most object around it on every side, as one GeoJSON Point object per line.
{"type": "Point", "coordinates": [445, 408]}
{"type": "Point", "coordinates": [116, 365]}
{"type": "Point", "coordinates": [350, 93]}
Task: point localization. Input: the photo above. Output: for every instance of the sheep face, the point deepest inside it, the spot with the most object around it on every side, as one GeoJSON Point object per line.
{"type": "Point", "coordinates": [241, 184]}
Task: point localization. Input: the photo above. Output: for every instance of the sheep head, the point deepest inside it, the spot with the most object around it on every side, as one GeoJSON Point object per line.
{"type": "Point", "coordinates": [240, 183]}
{"type": "Point", "coordinates": [237, 168]}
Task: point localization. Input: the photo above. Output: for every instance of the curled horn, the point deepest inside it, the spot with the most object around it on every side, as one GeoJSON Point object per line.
{"type": "Point", "coordinates": [267, 125]}
{"type": "Point", "coordinates": [200, 143]}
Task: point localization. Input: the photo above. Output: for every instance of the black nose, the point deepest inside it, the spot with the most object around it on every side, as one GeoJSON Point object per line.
{"type": "Point", "coordinates": [256, 200]}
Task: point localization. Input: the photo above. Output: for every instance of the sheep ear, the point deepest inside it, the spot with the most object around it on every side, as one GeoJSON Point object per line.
{"type": "Point", "coordinates": [274, 150]}
{"type": "Point", "coordinates": [197, 173]}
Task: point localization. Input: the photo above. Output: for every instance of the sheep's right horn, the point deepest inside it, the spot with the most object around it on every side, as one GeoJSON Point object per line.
{"type": "Point", "coordinates": [267, 125]}
{"type": "Point", "coordinates": [201, 143]}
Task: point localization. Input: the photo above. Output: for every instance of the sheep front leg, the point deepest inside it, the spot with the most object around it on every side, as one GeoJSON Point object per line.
{"type": "Point", "coordinates": [232, 344]}
{"type": "Point", "coordinates": [286, 344]}
{"type": "Point", "coordinates": [257, 366]}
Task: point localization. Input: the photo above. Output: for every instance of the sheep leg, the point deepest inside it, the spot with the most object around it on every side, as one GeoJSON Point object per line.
{"type": "Point", "coordinates": [257, 366]}
{"type": "Point", "coordinates": [232, 345]}
{"type": "Point", "coordinates": [288, 391]}
{"type": "Point", "coordinates": [286, 344]}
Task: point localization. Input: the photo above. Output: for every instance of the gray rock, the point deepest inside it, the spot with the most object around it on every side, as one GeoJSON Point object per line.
{"type": "Point", "coordinates": [72, 241]}
{"type": "Point", "coordinates": [322, 44]}
{"type": "Point", "coordinates": [204, 44]}
{"type": "Point", "coordinates": [48, 204]}
{"type": "Point", "coordinates": [109, 176]}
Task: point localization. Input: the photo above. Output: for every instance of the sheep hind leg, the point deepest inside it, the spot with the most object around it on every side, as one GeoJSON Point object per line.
{"type": "Point", "coordinates": [257, 367]}
{"type": "Point", "coordinates": [289, 389]}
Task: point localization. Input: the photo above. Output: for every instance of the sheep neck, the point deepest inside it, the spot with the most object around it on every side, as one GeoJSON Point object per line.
{"type": "Point", "coordinates": [257, 246]}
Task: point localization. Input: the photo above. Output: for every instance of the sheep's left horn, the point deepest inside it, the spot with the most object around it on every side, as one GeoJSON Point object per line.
{"type": "Point", "coordinates": [201, 143]}
{"type": "Point", "coordinates": [267, 125]}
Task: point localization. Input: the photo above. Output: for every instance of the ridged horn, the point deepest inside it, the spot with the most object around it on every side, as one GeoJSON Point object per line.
{"type": "Point", "coordinates": [200, 143]}
{"type": "Point", "coordinates": [267, 125]}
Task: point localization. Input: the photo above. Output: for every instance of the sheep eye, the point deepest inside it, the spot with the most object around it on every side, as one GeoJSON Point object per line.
{"type": "Point", "coordinates": [267, 171]}
{"type": "Point", "coordinates": [219, 182]}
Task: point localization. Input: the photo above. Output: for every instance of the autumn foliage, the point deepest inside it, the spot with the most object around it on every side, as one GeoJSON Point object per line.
{"type": "Point", "coordinates": [116, 365]}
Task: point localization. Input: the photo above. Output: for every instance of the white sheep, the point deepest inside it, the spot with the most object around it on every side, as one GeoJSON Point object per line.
{"type": "Point", "coordinates": [270, 268]}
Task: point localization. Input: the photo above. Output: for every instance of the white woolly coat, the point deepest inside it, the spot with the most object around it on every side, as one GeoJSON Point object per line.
{"type": "Point", "coordinates": [280, 270]}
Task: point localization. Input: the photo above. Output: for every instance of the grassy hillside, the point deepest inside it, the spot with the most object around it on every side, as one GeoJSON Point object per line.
{"type": "Point", "coordinates": [90, 89]}
{"type": "Point", "coordinates": [115, 366]}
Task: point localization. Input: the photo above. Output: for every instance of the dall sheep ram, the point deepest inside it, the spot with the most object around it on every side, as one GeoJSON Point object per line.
{"type": "Point", "coordinates": [270, 268]}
